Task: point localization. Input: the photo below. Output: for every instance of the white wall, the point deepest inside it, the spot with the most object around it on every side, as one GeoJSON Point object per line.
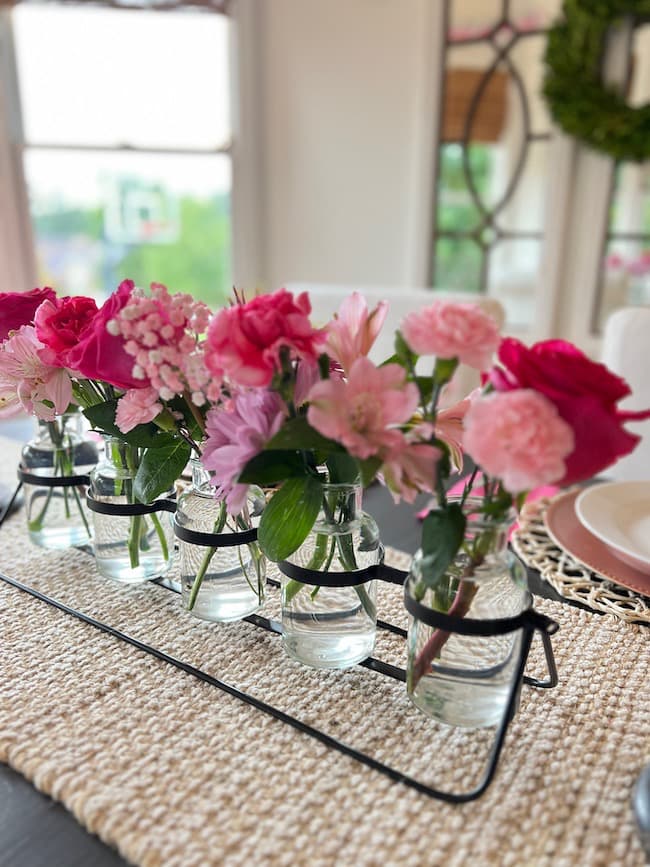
{"type": "Point", "coordinates": [346, 91]}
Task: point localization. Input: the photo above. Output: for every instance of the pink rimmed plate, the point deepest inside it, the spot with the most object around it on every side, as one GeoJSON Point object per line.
{"type": "Point", "coordinates": [618, 513]}
{"type": "Point", "coordinates": [567, 532]}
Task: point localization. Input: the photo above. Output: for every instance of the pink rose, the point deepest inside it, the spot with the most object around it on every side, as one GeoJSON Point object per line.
{"type": "Point", "coordinates": [100, 354]}
{"type": "Point", "coordinates": [519, 438]}
{"type": "Point", "coordinates": [59, 322]}
{"type": "Point", "coordinates": [244, 340]}
{"type": "Point", "coordinates": [584, 393]}
{"type": "Point", "coordinates": [18, 308]}
{"type": "Point", "coordinates": [449, 329]}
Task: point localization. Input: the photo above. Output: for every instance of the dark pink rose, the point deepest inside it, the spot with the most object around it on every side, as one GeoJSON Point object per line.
{"type": "Point", "coordinates": [59, 324]}
{"type": "Point", "coordinates": [18, 308]}
{"type": "Point", "coordinates": [585, 394]}
{"type": "Point", "coordinates": [100, 354]}
{"type": "Point", "coordinates": [244, 340]}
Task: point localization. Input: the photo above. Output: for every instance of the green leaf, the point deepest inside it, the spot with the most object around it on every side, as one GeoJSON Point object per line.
{"type": "Point", "coordinates": [102, 418]}
{"type": "Point", "coordinates": [297, 433]}
{"type": "Point", "coordinates": [267, 468]}
{"type": "Point", "coordinates": [159, 470]}
{"type": "Point", "coordinates": [343, 468]}
{"type": "Point", "coordinates": [405, 355]}
{"type": "Point", "coordinates": [425, 387]}
{"type": "Point", "coordinates": [289, 517]}
{"type": "Point", "coordinates": [444, 370]}
{"type": "Point", "coordinates": [368, 469]}
{"type": "Point", "coordinates": [443, 531]}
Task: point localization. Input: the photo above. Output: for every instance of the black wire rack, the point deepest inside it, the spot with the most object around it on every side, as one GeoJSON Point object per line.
{"type": "Point", "coordinates": [529, 622]}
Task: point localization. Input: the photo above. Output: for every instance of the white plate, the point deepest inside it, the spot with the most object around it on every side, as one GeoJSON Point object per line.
{"type": "Point", "coordinates": [618, 513]}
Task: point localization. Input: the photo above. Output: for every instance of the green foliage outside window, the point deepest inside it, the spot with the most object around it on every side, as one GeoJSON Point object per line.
{"type": "Point", "coordinates": [196, 261]}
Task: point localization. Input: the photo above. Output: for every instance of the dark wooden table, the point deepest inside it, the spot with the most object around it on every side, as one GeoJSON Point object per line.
{"type": "Point", "coordinates": [38, 832]}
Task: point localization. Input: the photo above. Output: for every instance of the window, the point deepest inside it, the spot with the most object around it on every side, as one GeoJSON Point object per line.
{"type": "Point", "coordinates": [126, 143]}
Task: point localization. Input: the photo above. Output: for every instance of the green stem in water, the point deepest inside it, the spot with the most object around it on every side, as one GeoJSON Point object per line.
{"type": "Point", "coordinates": [207, 557]}
{"type": "Point", "coordinates": [155, 520]}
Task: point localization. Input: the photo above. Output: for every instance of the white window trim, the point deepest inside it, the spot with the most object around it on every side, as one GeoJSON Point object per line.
{"type": "Point", "coordinates": [17, 257]}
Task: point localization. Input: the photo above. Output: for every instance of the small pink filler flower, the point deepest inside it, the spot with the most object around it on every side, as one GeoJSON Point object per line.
{"type": "Point", "coordinates": [137, 406]}
{"type": "Point", "coordinates": [518, 437]}
{"type": "Point", "coordinates": [451, 329]}
{"type": "Point", "coordinates": [236, 432]}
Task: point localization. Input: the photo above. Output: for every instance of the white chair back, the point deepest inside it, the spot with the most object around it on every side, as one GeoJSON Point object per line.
{"type": "Point", "coordinates": [626, 351]}
{"type": "Point", "coordinates": [326, 300]}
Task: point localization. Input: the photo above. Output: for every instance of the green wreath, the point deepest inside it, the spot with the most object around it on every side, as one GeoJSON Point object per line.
{"type": "Point", "coordinates": [579, 101]}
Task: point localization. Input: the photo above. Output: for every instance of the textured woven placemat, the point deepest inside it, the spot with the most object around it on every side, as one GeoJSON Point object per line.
{"type": "Point", "coordinates": [567, 575]}
{"type": "Point", "coordinates": [173, 772]}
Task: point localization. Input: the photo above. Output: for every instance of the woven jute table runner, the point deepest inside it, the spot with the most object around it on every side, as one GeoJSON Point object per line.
{"type": "Point", "coordinates": [172, 771]}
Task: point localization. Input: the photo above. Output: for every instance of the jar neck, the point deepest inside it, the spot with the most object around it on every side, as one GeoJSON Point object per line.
{"type": "Point", "coordinates": [341, 502]}
{"type": "Point", "coordinates": [63, 431]}
{"type": "Point", "coordinates": [484, 550]}
{"type": "Point", "coordinates": [201, 477]}
{"type": "Point", "coordinates": [122, 455]}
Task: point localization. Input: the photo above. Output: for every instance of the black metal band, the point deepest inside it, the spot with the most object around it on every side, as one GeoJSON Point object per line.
{"type": "Point", "coordinates": [214, 540]}
{"type": "Point", "coordinates": [129, 510]}
{"type": "Point", "coordinates": [528, 619]}
{"type": "Point", "coordinates": [378, 571]}
{"type": "Point", "coordinates": [51, 481]}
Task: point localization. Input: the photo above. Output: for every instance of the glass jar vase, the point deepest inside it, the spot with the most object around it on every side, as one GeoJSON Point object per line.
{"type": "Point", "coordinates": [465, 680]}
{"type": "Point", "coordinates": [332, 626]}
{"type": "Point", "coordinates": [219, 582]}
{"type": "Point", "coordinates": [56, 513]}
{"type": "Point", "coordinates": [129, 548]}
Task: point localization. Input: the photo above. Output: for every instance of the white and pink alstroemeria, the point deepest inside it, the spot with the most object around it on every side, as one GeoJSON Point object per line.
{"type": "Point", "coordinates": [449, 428]}
{"type": "Point", "coordinates": [354, 329]}
{"type": "Point", "coordinates": [137, 406]}
{"type": "Point", "coordinates": [235, 433]}
{"type": "Point", "coordinates": [363, 411]}
{"type": "Point", "coordinates": [410, 468]}
{"type": "Point", "coordinates": [27, 382]}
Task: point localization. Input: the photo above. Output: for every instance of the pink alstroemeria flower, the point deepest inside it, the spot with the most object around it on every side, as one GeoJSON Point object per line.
{"type": "Point", "coordinates": [449, 428]}
{"type": "Point", "coordinates": [27, 382]}
{"type": "Point", "coordinates": [409, 469]}
{"type": "Point", "coordinates": [362, 412]}
{"type": "Point", "coordinates": [354, 329]}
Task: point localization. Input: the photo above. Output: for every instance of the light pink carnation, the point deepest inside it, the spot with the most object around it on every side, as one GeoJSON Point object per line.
{"type": "Point", "coordinates": [236, 432]}
{"type": "Point", "coordinates": [362, 412]}
{"type": "Point", "coordinates": [354, 329]}
{"type": "Point", "coordinates": [518, 437]}
{"type": "Point", "coordinates": [137, 406]}
{"type": "Point", "coordinates": [450, 329]}
{"type": "Point", "coordinates": [27, 382]}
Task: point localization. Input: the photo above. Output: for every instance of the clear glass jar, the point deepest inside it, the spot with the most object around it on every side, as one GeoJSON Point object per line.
{"type": "Point", "coordinates": [465, 680]}
{"type": "Point", "coordinates": [134, 548]}
{"type": "Point", "coordinates": [57, 516]}
{"type": "Point", "coordinates": [333, 627]}
{"type": "Point", "coordinates": [219, 583]}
